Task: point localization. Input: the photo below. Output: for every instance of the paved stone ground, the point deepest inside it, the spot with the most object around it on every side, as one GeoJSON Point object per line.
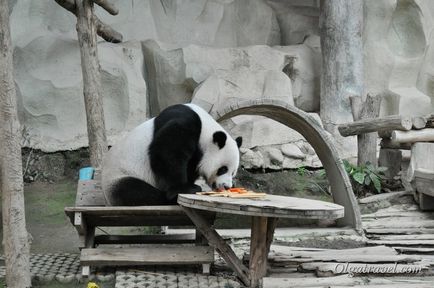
{"type": "Point", "coordinates": [65, 268]}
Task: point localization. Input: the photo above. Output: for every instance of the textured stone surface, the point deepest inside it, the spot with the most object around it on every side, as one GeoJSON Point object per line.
{"type": "Point", "coordinates": [398, 58]}
{"type": "Point", "coordinates": [227, 87]}
{"type": "Point", "coordinates": [172, 74]}
{"type": "Point", "coordinates": [204, 39]}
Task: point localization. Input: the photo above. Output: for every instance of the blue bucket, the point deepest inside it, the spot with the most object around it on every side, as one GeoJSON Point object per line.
{"type": "Point", "coordinates": [86, 173]}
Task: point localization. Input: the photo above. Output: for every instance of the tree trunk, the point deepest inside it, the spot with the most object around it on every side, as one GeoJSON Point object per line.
{"type": "Point", "coordinates": [367, 142]}
{"type": "Point", "coordinates": [16, 243]}
{"type": "Point", "coordinates": [86, 31]}
{"type": "Point", "coordinates": [341, 25]}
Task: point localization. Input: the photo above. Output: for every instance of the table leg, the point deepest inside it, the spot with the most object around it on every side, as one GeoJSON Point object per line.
{"type": "Point", "coordinates": [271, 226]}
{"type": "Point", "coordinates": [219, 244]}
{"type": "Point", "coordinates": [258, 250]}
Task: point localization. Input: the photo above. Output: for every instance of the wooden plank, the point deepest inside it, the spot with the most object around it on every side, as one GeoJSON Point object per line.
{"type": "Point", "coordinates": [89, 193]}
{"type": "Point", "coordinates": [401, 242]}
{"type": "Point", "coordinates": [258, 250]}
{"type": "Point", "coordinates": [321, 257]}
{"type": "Point", "coordinates": [270, 206]}
{"type": "Point", "coordinates": [147, 256]}
{"type": "Point", "coordinates": [334, 268]}
{"type": "Point", "coordinates": [400, 223]}
{"type": "Point", "coordinates": [398, 230]}
{"type": "Point", "coordinates": [344, 280]}
{"type": "Point", "coordinates": [145, 239]}
{"type": "Point", "coordinates": [219, 244]}
{"type": "Point", "coordinates": [139, 220]}
{"type": "Point", "coordinates": [79, 223]}
{"type": "Point", "coordinates": [424, 135]}
{"type": "Point", "coordinates": [403, 237]}
{"type": "Point", "coordinates": [128, 210]}
{"type": "Point", "coordinates": [385, 196]}
{"type": "Point", "coordinates": [394, 122]}
{"type": "Point", "coordinates": [413, 250]}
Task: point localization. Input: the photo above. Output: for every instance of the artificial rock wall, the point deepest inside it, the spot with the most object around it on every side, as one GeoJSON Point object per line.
{"type": "Point", "coordinates": [210, 52]}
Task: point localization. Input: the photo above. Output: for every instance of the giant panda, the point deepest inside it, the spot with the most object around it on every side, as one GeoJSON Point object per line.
{"type": "Point", "coordinates": [165, 155]}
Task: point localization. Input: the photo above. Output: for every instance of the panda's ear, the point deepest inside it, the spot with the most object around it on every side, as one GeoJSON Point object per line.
{"type": "Point", "coordinates": [219, 138]}
{"type": "Point", "coordinates": [239, 141]}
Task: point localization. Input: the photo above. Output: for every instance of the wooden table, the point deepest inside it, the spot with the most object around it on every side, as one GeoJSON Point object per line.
{"type": "Point", "coordinates": [264, 212]}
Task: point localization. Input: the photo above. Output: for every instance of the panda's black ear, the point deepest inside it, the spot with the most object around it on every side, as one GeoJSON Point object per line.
{"type": "Point", "coordinates": [239, 141]}
{"type": "Point", "coordinates": [219, 138]}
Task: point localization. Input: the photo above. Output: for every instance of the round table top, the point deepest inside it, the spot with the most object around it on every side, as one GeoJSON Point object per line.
{"type": "Point", "coordinates": [269, 206]}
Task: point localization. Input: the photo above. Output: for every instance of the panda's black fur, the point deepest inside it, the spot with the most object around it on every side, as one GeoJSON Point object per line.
{"type": "Point", "coordinates": [174, 155]}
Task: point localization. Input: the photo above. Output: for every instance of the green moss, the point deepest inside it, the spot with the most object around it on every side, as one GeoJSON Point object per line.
{"type": "Point", "coordinates": [47, 201]}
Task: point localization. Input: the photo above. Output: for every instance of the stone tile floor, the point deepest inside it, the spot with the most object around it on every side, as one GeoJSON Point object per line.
{"type": "Point", "coordinates": [65, 268]}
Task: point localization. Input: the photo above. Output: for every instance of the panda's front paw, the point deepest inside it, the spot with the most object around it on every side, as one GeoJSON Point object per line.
{"type": "Point", "coordinates": [195, 188]}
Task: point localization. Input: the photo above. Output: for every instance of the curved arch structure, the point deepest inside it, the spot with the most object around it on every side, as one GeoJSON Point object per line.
{"type": "Point", "coordinates": [321, 141]}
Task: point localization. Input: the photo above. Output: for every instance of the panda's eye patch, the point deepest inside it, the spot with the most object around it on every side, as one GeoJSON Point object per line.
{"type": "Point", "coordinates": [222, 170]}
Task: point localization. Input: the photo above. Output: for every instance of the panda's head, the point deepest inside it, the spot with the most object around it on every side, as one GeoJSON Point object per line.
{"type": "Point", "coordinates": [220, 160]}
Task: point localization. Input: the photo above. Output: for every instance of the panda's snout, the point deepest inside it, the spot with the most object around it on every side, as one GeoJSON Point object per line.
{"type": "Point", "coordinates": [220, 186]}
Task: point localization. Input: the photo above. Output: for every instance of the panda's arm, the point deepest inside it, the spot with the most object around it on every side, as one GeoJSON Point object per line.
{"type": "Point", "coordinates": [172, 148]}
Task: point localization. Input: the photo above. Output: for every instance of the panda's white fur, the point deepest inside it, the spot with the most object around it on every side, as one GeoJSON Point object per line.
{"type": "Point", "coordinates": [213, 158]}
{"type": "Point", "coordinates": [130, 156]}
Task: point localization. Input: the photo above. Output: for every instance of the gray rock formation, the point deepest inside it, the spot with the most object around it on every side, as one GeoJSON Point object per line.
{"type": "Point", "coordinates": [265, 47]}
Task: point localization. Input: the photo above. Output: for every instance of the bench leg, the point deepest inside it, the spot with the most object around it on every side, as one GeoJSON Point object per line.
{"type": "Point", "coordinates": [201, 241]}
{"type": "Point", "coordinates": [89, 242]}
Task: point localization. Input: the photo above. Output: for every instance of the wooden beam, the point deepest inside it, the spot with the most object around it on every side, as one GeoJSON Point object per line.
{"type": "Point", "coordinates": [219, 244]}
{"type": "Point", "coordinates": [103, 30]}
{"type": "Point", "coordinates": [394, 122]}
{"type": "Point", "coordinates": [424, 135]}
{"type": "Point", "coordinates": [107, 6]}
{"type": "Point", "coordinates": [147, 256]}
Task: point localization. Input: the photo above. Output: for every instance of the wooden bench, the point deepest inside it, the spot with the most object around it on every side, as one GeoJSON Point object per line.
{"type": "Point", "coordinates": [90, 211]}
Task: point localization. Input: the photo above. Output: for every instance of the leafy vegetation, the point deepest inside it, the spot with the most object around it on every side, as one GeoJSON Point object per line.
{"type": "Point", "coordinates": [365, 178]}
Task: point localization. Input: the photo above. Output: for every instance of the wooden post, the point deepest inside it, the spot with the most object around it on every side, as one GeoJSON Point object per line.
{"type": "Point", "coordinates": [16, 245]}
{"type": "Point", "coordinates": [88, 26]}
{"type": "Point", "coordinates": [341, 25]}
{"type": "Point", "coordinates": [91, 81]}
{"type": "Point", "coordinates": [366, 142]}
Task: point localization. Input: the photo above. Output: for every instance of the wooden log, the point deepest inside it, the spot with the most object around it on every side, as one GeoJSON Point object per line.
{"type": "Point", "coordinates": [419, 122]}
{"type": "Point", "coordinates": [424, 135]}
{"type": "Point", "coordinates": [103, 30]}
{"type": "Point", "coordinates": [86, 32]}
{"type": "Point", "coordinates": [389, 144]}
{"type": "Point", "coordinates": [393, 122]}
{"type": "Point", "coordinates": [107, 6]}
